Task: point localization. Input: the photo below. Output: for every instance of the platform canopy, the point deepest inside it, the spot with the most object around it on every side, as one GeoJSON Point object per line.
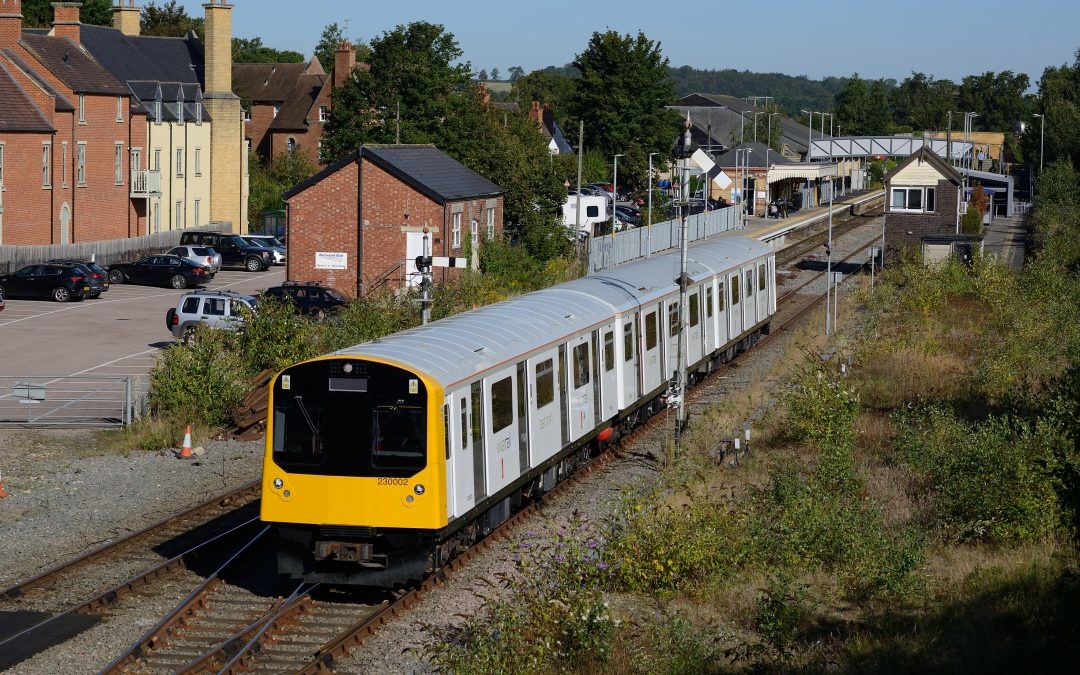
{"type": "Point", "coordinates": [808, 170]}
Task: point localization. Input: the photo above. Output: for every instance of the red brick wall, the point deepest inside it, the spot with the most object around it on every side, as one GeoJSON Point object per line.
{"type": "Point", "coordinates": [306, 143]}
{"type": "Point", "coordinates": [323, 218]}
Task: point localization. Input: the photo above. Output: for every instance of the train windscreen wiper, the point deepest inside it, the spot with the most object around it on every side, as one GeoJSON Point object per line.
{"type": "Point", "coordinates": [316, 440]}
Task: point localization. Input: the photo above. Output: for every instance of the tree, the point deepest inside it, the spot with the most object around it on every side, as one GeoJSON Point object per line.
{"type": "Point", "coordinates": [1059, 100]}
{"type": "Point", "coordinates": [169, 20]}
{"type": "Point", "coordinates": [331, 37]}
{"type": "Point", "coordinates": [39, 13]}
{"type": "Point", "coordinates": [998, 98]}
{"type": "Point", "coordinates": [269, 180]}
{"type": "Point", "coordinates": [622, 97]}
{"type": "Point", "coordinates": [495, 74]}
{"type": "Point", "coordinates": [254, 51]}
{"type": "Point", "coordinates": [515, 73]}
{"type": "Point", "coordinates": [482, 76]}
{"type": "Point", "coordinates": [921, 102]}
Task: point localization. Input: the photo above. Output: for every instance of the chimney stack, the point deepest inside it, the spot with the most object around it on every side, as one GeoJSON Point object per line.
{"type": "Point", "coordinates": [126, 19]}
{"type": "Point", "coordinates": [344, 62]}
{"type": "Point", "coordinates": [66, 20]}
{"type": "Point", "coordinates": [10, 23]}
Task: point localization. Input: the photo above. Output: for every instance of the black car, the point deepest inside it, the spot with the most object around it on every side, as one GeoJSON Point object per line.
{"type": "Point", "coordinates": [235, 250]}
{"type": "Point", "coordinates": [308, 298]}
{"type": "Point", "coordinates": [160, 270]}
{"type": "Point", "coordinates": [59, 282]}
{"type": "Point", "coordinates": [98, 277]}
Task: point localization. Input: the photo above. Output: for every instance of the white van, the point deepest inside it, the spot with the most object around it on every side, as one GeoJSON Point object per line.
{"type": "Point", "coordinates": [594, 210]}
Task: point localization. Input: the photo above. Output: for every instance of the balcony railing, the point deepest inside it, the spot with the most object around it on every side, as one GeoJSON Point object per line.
{"type": "Point", "coordinates": [145, 183]}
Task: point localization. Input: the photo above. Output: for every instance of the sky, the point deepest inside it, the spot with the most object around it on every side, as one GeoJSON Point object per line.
{"type": "Point", "coordinates": [873, 38]}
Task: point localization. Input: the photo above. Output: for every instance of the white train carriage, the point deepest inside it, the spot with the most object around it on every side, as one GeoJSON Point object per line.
{"type": "Point", "coordinates": [517, 393]}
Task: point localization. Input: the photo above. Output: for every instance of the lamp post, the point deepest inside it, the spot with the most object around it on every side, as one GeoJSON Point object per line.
{"type": "Point", "coordinates": [756, 113]}
{"type": "Point", "coordinates": [1042, 129]}
{"type": "Point", "coordinates": [648, 246]}
{"type": "Point", "coordinates": [809, 130]}
{"type": "Point", "coordinates": [682, 152]}
{"type": "Point", "coordinates": [614, 192]}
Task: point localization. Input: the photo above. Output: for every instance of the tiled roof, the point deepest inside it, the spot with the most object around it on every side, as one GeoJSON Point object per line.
{"type": "Point", "coordinates": [755, 158]}
{"type": "Point", "coordinates": [145, 57]}
{"type": "Point", "coordinates": [19, 112]}
{"type": "Point", "coordinates": [266, 82]}
{"type": "Point", "coordinates": [62, 103]}
{"type": "Point", "coordinates": [424, 167]}
{"type": "Point", "coordinates": [72, 66]}
{"type": "Point", "coordinates": [297, 106]}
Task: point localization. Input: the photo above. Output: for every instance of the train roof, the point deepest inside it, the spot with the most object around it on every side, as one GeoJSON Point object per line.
{"type": "Point", "coordinates": [458, 347]}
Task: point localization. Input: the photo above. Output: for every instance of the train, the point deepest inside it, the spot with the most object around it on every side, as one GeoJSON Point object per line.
{"type": "Point", "coordinates": [385, 459]}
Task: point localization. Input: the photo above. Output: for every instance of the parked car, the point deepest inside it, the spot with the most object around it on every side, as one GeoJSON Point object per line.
{"type": "Point", "coordinates": [200, 255]}
{"type": "Point", "coordinates": [235, 250]}
{"type": "Point", "coordinates": [267, 242]}
{"type": "Point", "coordinates": [630, 217]}
{"type": "Point", "coordinates": [59, 282]}
{"type": "Point", "coordinates": [1, 300]}
{"type": "Point", "coordinates": [213, 309]}
{"type": "Point", "coordinates": [97, 277]}
{"type": "Point", "coordinates": [308, 297]}
{"type": "Point", "coordinates": [160, 270]}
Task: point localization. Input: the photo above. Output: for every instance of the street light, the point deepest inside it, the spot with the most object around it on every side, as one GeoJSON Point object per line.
{"type": "Point", "coordinates": [614, 192]}
{"type": "Point", "coordinates": [809, 130]}
{"type": "Point", "coordinates": [768, 188]}
{"type": "Point", "coordinates": [648, 246]}
{"type": "Point", "coordinates": [756, 113]}
{"type": "Point", "coordinates": [1042, 129]}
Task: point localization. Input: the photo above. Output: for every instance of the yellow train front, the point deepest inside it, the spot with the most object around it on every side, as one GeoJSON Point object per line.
{"type": "Point", "coordinates": [351, 480]}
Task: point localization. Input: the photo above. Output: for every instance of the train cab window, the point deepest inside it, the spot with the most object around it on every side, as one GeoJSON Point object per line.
{"type": "Point", "coordinates": [709, 302]}
{"type": "Point", "coordinates": [761, 277]}
{"type": "Point", "coordinates": [749, 283]}
{"type": "Point", "coordinates": [545, 383]}
{"type": "Point", "coordinates": [673, 319]}
{"type": "Point", "coordinates": [695, 311]}
{"type": "Point", "coordinates": [650, 331]}
{"type": "Point", "coordinates": [502, 404]}
{"type": "Point", "coordinates": [397, 440]}
{"type": "Point", "coordinates": [628, 341]}
{"type": "Point", "coordinates": [734, 290]}
{"type": "Point", "coordinates": [581, 365]}
{"type": "Point", "coordinates": [609, 351]}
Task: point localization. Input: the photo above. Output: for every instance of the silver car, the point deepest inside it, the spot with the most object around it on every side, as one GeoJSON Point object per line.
{"type": "Point", "coordinates": [200, 255]}
{"type": "Point", "coordinates": [214, 309]}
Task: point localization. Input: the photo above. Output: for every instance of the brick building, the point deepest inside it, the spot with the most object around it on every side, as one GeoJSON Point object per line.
{"type": "Point", "coordinates": [923, 203]}
{"type": "Point", "coordinates": [359, 224]}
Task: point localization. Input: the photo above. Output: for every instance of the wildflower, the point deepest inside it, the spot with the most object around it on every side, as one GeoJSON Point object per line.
{"type": "Point", "coordinates": [560, 558]}
{"type": "Point", "coordinates": [602, 565]}
{"type": "Point", "coordinates": [592, 543]}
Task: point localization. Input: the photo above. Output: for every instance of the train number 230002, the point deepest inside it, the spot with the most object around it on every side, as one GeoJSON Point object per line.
{"type": "Point", "coordinates": [393, 481]}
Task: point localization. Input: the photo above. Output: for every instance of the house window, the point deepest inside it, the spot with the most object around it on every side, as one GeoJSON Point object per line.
{"type": "Point", "coordinates": [157, 218]}
{"type": "Point", "coordinates": [80, 164]}
{"type": "Point", "coordinates": [82, 109]}
{"type": "Point", "coordinates": [119, 164]}
{"type": "Point", "coordinates": [322, 113]}
{"type": "Point", "coordinates": [63, 163]}
{"type": "Point", "coordinates": [198, 112]}
{"type": "Point", "coordinates": [119, 108]}
{"type": "Point", "coordinates": [196, 214]}
{"type": "Point", "coordinates": [290, 145]}
{"type": "Point", "coordinates": [179, 161]}
{"type": "Point", "coordinates": [490, 224]}
{"type": "Point", "coordinates": [455, 232]}
{"type": "Point", "coordinates": [474, 228]}
{"type": "Point", "coordinates": [198, 161]}
{"type": "Point", "coordinates": [157, 159]}
{"type": "Point", "coordinates": [277, 109]}
{"type": "Point", "coordinates": [46, 170]}
{"type": "Point", "coordinates": [157, 112]}
{"type": "Point", "coordinates": [912, 199]}
{"type": "Point", "coordinates": [180, 112]}
{"type": "Point", "coordinates": [179, 214]}
{"type": "Point", "coordinates": [247, 114]}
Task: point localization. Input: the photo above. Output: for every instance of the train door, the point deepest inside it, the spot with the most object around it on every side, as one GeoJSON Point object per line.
{"type": "Point", "coordinates": [749, 313]}
{"type": "Point", "coordinates": [579, 381]}
{"type": "Point", "coordinates": [695, 326]}
{"type": "Point", "coordinates": [734, 309]}
{"type": "Point", "coordinates": [521, 408]}
{"type": "Point", "coordinates": [461, 433]}
{"type": "Point", "coordinates": [448, 441]}
{"type": "Point", "coordinates": [609, 374]}
{"type": "Point", "coordinates": [671, 338]}
{"type": "Point", "coordinates": [476, 441]}
{"type": "Point", "coordinates": [501, 429]}
{"type": "Point", "coordinates": [762, 290]}
{"type": "Point", "coordinates": [629, 369]}
{"type": "Point", "coordinates": [544, 418]}
{"type": "Point", "coordinates": [721, 312]}
{"type": "Point", "coordinates": [708, 306]}
{"type": "Point", "coordinates": [652, 373]}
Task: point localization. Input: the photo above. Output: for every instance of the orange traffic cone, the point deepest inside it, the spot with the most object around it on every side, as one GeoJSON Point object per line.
{"type": "Point", "coordinates": [3, 492]}
{"type": "Point", "coordinates": [185, 451]}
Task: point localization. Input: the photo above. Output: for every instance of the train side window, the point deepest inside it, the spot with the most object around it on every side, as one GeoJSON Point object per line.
{"type": "Point", "coordinates": [761, 277]}
{"type": "Point", "coordinates": [709, 302]}
{"type": "Point", "coordinates": [581, 365]}
{"type": "Point", "coordinates": [446, 428]}
{"type": "Point", "coordinates": [545, 383]}
{"type": "Point", "coordinates": [650, 331]}
{"type": "Point", "coordinates": [734, 290]}
{"type": "Point", "coordinates": [695, 311]}
{"type": "Point", "coordinates": [721, 296]}
{"type": "Point", "coordinates": [609, 351]}
{"type": "Point", "coordinates": [464, 424]}
{"type": "Point", "coordinates": [673, 319]}
{"type": "Point", "coordinates": [749, 283]}
{"type": "Point", "coordinates": [502, 405]}
{"type": "Point", "coordinates": [628, 341]}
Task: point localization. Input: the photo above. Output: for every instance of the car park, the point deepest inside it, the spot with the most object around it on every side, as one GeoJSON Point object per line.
{"type": "Point", "coordinates": [56, 281]}
{"type": "Point", "coordinates": [235, 250]}
{"type": "Point", "coordinates": [212, 309]}
{"type": "Point", "coordinates": [160, 270]}
{"type": "Point", "coordinates": [308, 298]}
{"type": "Point", "coordinates": [200, 255]}
{"type": "Point", "coordinates": [96, 276]}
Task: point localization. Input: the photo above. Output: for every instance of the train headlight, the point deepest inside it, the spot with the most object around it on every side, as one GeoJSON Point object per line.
{"type": "Point", "coordinates": [278, 483]}
{"type": "Point", "coordinates": [419, 489]}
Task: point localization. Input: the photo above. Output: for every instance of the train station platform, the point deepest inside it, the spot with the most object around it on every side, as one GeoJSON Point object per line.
{"type": "Point", "coordinates": [775, 230]}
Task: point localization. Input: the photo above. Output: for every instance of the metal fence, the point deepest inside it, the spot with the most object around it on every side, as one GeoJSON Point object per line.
{"type": "Point", "coordinates": [103, 253]}
{"type": "Point", "coordinates": [73, 401]}
{"type": "Point", "coordinates": [611, 250]}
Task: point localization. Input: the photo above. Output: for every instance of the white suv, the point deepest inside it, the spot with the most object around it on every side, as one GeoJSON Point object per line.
{"type": "Point", "coordinates": [215, 309]}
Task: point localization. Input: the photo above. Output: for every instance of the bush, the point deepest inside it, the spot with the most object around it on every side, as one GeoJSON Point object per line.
{"type": "Point", "coordinates": [203, 382]}
{"type": "Point", "coordinates": [274, 337]}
